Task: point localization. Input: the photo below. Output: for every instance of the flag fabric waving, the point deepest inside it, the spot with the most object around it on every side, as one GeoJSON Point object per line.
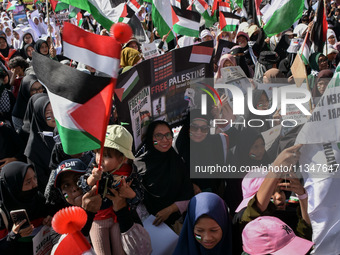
{"type": "Point", "coordinates": [203, 8]}
{"type": "Point", "coordinates": [285, 14]}
{"type": "Point", "coordinates": [319, 31]}
{"type": "Point", "coordinates": [101, 10]}
{"type": "Point", "coordinates": [185, 22]}
{"type": "Point", "coordinates": [11, 6]}
{"type": "Point", "coordinates": [161, 18]}
{"type": "Point", "coordinates": [81, 103]}
{"type": "Point", "coordinates": [228, 21]}
{"type": "Point", "coordinates": [97, 51]}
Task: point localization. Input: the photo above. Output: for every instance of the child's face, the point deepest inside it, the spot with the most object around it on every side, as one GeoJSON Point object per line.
{"type": "Point", "coordinates": [109, 160]}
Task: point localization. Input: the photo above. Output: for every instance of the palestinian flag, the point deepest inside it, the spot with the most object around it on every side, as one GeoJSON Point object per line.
{"type": "Point", "coordinates": [97, 51]}
{"type": "Point", "coordinates": [81, 103]}
{"type": "Point", "coordinates": [58, 6]}
{"type": "Point", "coordinates": [285, 15]}
{"type": "Point", "coordinates": [228, 21]}
{"type": "Point", "coordinates": [11, 6]}
{"type": "Point", "coordinates": [129, 84]}
{"type": "Point", "coordinates": [101, 10]}
{"type": "Point", "coordinates": [161, 18]}
{"type": "Point", "coordinates": [319, 31]}
{"type": "Point", "coordinates": [185, 22]}
{"type": "Point", "coordinates": [305, 50]}
{"type": "Point", "coordinates": [203, 8]}
{"type": "Point", "coordinates": [134, 5]}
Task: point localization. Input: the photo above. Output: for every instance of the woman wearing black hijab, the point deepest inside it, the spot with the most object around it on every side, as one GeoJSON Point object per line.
{"type": "Point", "coordinates": [29, 86]}
{"type": "Point", "coordinates": [6, 52]}
{"type": "Point", "coordinates": [19, 190]}
{"type": "Point", "coordinates": [167, 185]}
{"type": "Point", "coordinates": [40, 142]}
{"type": "Point", "coordinates": [27, 38]}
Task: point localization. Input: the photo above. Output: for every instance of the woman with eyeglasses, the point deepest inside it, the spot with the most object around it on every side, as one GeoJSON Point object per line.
{"type": "Point", "coordinates": [28, 87]}
{"type": "Point", "coordinates": [167, 185]}
{"type": "Point", "coordinates": [200, 150]}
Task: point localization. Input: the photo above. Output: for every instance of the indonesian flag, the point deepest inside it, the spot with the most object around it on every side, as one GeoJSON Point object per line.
{"type": "Point", "coordinates": [201, 54]}
{"type": "Point", "coordinates": [97, 51]}
{"type": "Point", "coordinates": [81, 103]}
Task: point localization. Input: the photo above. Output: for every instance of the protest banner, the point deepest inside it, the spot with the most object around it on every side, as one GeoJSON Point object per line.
{"type": "Point", "coordinates": [319, 164]}
{"type": "Point", "coordinates": [160, 88]}
{"type": "Point", "coordinates": [19, 15]}
{"type": "Point", "coordinates": [149, 50]}
{"type": "Point", "coordinates": [42, 243]}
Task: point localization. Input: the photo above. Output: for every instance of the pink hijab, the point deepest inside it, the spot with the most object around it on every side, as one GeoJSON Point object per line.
{"type": "Point", "coordinates": [223, 59]}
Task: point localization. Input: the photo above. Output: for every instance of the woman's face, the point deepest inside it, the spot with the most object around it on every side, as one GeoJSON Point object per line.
{"type": "Point", "coordinates": [199, 130]}
{"type": "Point", "coordinates": [30, 181]}
{"type": "Point", "coordinates": [49, 117]}
{"type": "Point", "coordinates": [331, 40]}
{"type": "Point", "coordinates": [207, 232]}
{"type": "Point", "coordinates": [133, 45]}
{"type": "Point", "coordinates": [263, 103]}
{"type": "Point", "coordinates": [16, 35]}
{"type": "Point", "coordinates": [36, 88]}
{"type": "Point", "coordinates": [3, 43]}
{"type": "Point", "coordinates": [29, 51]}
{"type": "Point", "coordinates": [44, 48]}
{"type": "Point", "coordinates": [227, 63]}
{"type": "Point", "coordinates": [207, 38]}
{"type": "Point", "coordinates": [323, 62]}
{"type": "Point", "coordinates": [242, 41]}
{"type": "Point", "coordinates": [162, 137]}
{"type": "Point", "coordinates": [8, 32]}
{"type": "Point", "coordinates": [322, 85]}
{"type": "Point", "coordinates": [257, 150]}
{"type": "Point", "coordinates": [28, 39]}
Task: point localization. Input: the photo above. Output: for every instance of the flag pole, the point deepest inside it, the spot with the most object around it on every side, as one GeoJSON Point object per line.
{"type": "Point", "coordinates": [304, 42]}
{"type": "Point", "coordinates": [106, 122]}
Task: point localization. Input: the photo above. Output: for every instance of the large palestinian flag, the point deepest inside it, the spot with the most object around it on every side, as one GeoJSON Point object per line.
{"type": "Point", "coordinates": [81, 103]}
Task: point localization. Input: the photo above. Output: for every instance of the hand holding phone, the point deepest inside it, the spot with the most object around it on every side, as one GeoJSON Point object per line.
{"type": "Point", "coordinates": [18, 216]}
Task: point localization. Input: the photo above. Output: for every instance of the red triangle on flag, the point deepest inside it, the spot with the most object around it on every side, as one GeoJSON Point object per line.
{"type": "Point", "coordinates": [222, 21]}
{"type": "Point", "coordinates": [119, 93]}
{"type": "Point", "coordinates": [91, 116]}
{"type": "Point", "coordinates": [124, 12]}
{"type": "Point", "coordinates": [174, 17]}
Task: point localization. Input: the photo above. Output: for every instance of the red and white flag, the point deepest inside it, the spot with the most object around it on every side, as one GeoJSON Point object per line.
{"type": "Point", "coordinates": [201, 54]}
{"type": "Point", "coordinates": [97, 51]}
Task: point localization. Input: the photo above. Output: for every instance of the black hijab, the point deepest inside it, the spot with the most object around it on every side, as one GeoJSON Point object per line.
{"type": "Point", "coordinates": [246, 139]}
{"type": "Point", "coordinates": [11, 181]}
{"type": "Point", "coordinates": [208, 152]}
{"type": "Point", "coordinates": [5, 51]}
{"type": "Point", "coordinates": [22, 50]}
{"type": "Point", "coordinates": [165, 178]}
{"type": "Point", "coordinates": [38, 45]}
{"type": "Point", "coordinates": [39, 147]}
{"type": "Point", "coordinates": [23, 96]}
{"type": "Point", "coordinates": [25, 50]}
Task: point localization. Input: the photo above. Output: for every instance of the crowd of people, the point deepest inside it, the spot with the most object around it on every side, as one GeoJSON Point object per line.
{"type": "Point", "coordinates": [256, 213]}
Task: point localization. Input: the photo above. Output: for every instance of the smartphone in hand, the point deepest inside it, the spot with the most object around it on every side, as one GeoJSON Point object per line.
{"type": "Point", "coordinates": [20, 215]}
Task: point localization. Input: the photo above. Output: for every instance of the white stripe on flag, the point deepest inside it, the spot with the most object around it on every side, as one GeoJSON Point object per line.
{"type": "Point", "coordinates": [130, 80]}
{"type": "Point", "coordinates": [101, 63]}
{"type": "Point", "coordinates": [183, 22]}
{"type": "Point", "coordinates": [199, 58]}
{"type": "Point", "coordinates": [61, 106]}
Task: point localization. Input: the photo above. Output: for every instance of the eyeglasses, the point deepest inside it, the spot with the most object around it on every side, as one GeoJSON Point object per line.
{"type": "Point", "coordinates": [34, 91]}
{"type": "Point", "coordinates": [204, 129]}
{"type": "Point", "coordinates": [262, 104]}
{"type": "Point", "coordinates": [159, 136]}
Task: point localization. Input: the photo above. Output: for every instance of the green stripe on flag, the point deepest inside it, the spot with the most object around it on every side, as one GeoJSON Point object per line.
{"type": "Point", "coordinates": [130, 84]}
{"type": "Point", "coordinates": [284, 17]}
{"type": "Point", "coordinates": [76, 141]}
{"type": "Point", "coordinates": [185, 31]}
{"type": "Point", "coordinates": [61, 6]}
{"type": "Point", "coordinates": [158, 21]}
{"type": "Point", "coordinates": [90, 6]}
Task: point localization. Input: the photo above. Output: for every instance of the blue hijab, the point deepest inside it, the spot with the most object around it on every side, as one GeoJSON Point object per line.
{"type": "Point", "coordinates": [212, 205]}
